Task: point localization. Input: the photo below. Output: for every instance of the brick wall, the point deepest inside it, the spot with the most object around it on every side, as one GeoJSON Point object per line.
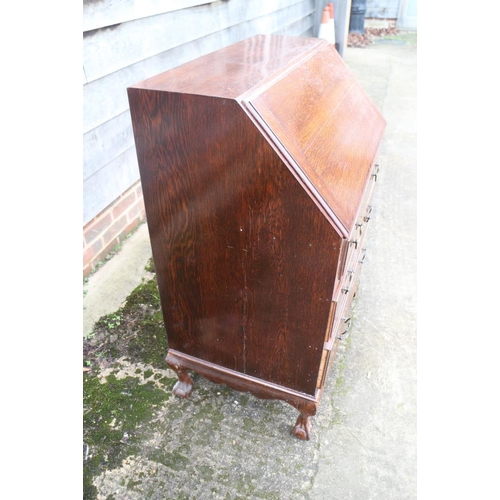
{"type": "Point", "coordinates": [111, 226]}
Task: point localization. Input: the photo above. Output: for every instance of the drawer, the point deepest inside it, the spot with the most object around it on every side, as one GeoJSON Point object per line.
{"type": "Point", "coordinates": [357, 245]}
{"type": "Point", "coordinates": [368, 194]}
{"type": "Point", "coordinates": [363, 218]}
{"type": "Point", "coordinates": [341, 316]}
{"type": "Point", "coordinates": [339, 319]}
{"type": "Point", "coordinates": [347, 292]}
{"type": "Point", "coordinates": [330, 350]}
{"type": "Point", "coordinates": [342, 313]}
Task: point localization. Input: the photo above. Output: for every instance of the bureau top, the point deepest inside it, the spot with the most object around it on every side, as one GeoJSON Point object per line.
{"type": "Point", "coordinates": [306, 102]}
{"type": "Point", "coordinates": [234, 70]}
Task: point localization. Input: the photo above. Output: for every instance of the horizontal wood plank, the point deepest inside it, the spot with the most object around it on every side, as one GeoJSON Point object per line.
{"type": "Point", "coordinates": [384, 9]}
{"type": "Point", "coordinates": [106, 126]}
{"type": "Point", "coordinates": [98, 14]}
{"type": "Point", "coordinates": [106, 142]}
{"type": "Point", "coordinates": [113, 48]}
{"type": "Point", "coordinates": [301, 27]}
{"type": "Point", "coordinates": [106, 97]}
{"type": "Point", "coordinates": [108, 183]}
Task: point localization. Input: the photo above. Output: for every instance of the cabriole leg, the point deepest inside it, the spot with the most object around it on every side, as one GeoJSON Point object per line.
{"type": "Point", "coordinates": [302, 427]}
{"type": "Point", "coordinates": [184, 385]}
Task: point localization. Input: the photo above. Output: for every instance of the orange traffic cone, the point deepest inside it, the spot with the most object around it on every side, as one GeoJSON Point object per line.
{"type": "Point", "coordinates": [332, 22]}
{"type": "Point", "coordinates": [324, 27]}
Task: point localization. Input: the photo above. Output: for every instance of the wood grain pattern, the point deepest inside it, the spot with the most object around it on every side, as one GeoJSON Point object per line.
{"type": "Point", "coordinates": [305, 403]}
{"type": "Point", "coordinates": [234, 70]}
{"type": "Point", "coordinates": [255, 276]}
{"type": "Point", "coordinates": [225, 217]}
{"type": "Point", "coordinates": [119, 55]}
{"type": "Point", "coordinates": [117, 46]}
{"type": "Point", "coordinates": [101, 14]}
{"type": "Point", "coordinates": [325, 121]}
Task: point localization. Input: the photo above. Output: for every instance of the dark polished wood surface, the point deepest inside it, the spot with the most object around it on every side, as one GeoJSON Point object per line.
{"type": "Point", "coordinates": [322, 117]}
{"type": "Point", "coordinates": [234, 70]}
{"type": "Point", "coordinates": [257, 168]}
{"type": "Point", "coordinates": [245, 261]}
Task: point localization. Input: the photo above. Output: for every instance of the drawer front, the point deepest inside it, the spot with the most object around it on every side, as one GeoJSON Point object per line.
{"type": "Point", "coordinates": [340, 319]}
{"type": "Point", "coordinates": [358, 236]}
{"type": "Point", "coordinates": [330, 349]}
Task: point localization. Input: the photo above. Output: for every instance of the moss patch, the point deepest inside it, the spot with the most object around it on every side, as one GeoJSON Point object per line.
{"type": "Point", "coordinates": [115, 408]}
{"type": "Point", "coordinates": [142, 442]}
{"type": "Point", "coordinates": [150, 266]}
{"type": "Point", "coordinates": [136, 331]}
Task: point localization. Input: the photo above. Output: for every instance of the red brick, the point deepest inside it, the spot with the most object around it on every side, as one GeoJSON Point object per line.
{"type": "Point", "coordinates": [136, 211]}
{"type": "Point", "coordinates": [102, 254]}
{"type": "Point", "coordinates": [123, 205]}
{"type": "Point", "coordinates": [87, 270]}
{"type": "Point", "coordinates": [108, 248]}
{"type": "Point", "coordinates": [114, 230]}
{"type": "Point", "coordinates": [133, 225]}
{"type": "Point", "coordinates": [128, 212]}
{"type": "Point", "coordinates": [90, 253]}
{"type": "Point", "coordinates": [96, 226]}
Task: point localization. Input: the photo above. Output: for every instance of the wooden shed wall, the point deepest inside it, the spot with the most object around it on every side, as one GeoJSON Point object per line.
{"type": "Point", "coordinates": [382, 9]}
{"type": "Point", "coordinates": [125, 41]}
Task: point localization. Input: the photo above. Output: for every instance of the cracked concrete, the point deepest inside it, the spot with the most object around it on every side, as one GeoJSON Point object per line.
{"type": "Point", "coordinates": [222, 444]}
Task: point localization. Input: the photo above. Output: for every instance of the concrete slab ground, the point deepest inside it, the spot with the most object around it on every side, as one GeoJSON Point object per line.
{"type": "Point", "coordinates": [106, 290]}
{"type": "Point", "coordinates": [372, 452]}
{"type": "Point", "coordinates": [222, 444]}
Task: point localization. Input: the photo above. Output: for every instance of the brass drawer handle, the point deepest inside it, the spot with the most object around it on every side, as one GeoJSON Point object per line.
{"type": "Point", "coordinates": [341, 335]}
{"type": "Point", "coordinates": [369, 209]}
{"type": "Point", "coordinates": [364, 255]}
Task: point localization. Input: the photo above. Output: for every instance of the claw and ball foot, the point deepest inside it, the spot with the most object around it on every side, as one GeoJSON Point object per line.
{"type": "Point", "coordinates": [303, 427]}
{"type": "Point", "coordinates": [184, 386]}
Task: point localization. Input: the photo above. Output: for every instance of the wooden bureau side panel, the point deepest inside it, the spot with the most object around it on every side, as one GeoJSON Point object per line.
{"type": "Point", "coordinates": [245, 261]}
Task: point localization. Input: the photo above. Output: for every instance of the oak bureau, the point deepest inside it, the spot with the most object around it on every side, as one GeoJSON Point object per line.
{"type": "Point", "coordinates": [258, 164]}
